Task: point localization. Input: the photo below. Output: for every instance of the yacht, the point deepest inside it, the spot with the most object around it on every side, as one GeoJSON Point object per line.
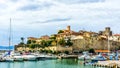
{"type": "Point", "coordinates": [85, 56]}
{"type": "Point", "coordinates": [17, 56]}
{"type": "Point", "coordinates": [50, 56]}
{"type": "Point", "coordinates": [98, 58]}
{"type": "Point", "coordinates": [30, 57]}
{"type": "Point", "coordinates": [7, 57]}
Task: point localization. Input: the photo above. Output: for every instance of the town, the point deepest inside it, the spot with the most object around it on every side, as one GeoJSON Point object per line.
{"type": "Point", "coordinates": [70, 41]}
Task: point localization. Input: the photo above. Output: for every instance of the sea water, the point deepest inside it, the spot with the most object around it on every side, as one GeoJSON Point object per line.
{"type": "Point", "coordinates": [58, 63]}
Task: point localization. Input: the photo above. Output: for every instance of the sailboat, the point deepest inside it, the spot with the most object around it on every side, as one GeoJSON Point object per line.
{"type": "Point", "coordinates": [9, 57]}
{"type": "Point", "coordinates": [12, 56]}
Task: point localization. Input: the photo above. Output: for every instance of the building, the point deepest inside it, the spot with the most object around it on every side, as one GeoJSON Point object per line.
{"type": "Point", "coordinates": [106, 32]}
{"type": "Point", "coordinates": [45, 37]}
{"type": "Point", "coordinates": [67, 33]}
{"type": "Point", "coordinates": [115, 37]}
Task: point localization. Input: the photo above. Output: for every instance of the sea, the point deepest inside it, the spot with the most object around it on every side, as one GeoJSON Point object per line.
{"type": "Point", "coordinates": [5, 47]}
{"type": "Point", "coordinates": [56, 63]}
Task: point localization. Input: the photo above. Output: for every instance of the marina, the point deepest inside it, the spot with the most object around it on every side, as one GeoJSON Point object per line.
{"type": "Point", "coordinates": [56, 63]}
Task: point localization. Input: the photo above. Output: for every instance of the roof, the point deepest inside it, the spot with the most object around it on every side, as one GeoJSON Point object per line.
{"type": "Point", "coordinates": [102, 51]}
{"type": "Point", "coordinates": [116, 34]}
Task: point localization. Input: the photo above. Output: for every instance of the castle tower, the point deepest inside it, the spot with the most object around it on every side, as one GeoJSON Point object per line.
{"type": "Point", "coordinates": [68, 28]}
{"type": "Point", "coordinates": [108, 31]}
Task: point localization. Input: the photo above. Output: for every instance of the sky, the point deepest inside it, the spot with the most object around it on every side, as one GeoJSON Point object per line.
{"type": "Point", "coordinates": [34, 18]}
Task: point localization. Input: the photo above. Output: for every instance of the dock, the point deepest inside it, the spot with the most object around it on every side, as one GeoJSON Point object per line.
{"type": "Point", "coordinates": [108, 64]}
{"type": "Point", "coordinates": [69, 57]}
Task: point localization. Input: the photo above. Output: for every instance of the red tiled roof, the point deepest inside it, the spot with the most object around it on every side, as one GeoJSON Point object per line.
{"type": "Point", "coordinates": [116, 34]}
{"type": "Point", "coordinates": [102, 51]}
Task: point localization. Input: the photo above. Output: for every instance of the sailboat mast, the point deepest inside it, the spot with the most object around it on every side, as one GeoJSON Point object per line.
{"type": "Point", "coordinates": [108, 45]}
{"type": "Point", "coordinates": [10, 35]}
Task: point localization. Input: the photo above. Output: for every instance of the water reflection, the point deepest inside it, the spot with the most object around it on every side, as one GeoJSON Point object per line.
{"type": "Point", "coordinates": [67, 61]}
{"type": "Point", "coordinates": [59, 63]}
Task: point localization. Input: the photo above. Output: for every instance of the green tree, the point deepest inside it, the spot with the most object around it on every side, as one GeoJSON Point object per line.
{"type": "Point", "coordinates": [43, 43]}
{"type": "Point", "coordinates": [49, 42]}
{"type": "Point", "coordinates": [32, 46]}
{"type": "Point", "coordinates": [22, 39]}
{"type": "Point", "coordinates": [53, 37]}
{"type": "Point", "coordinates": [60, 31]}
{"type": "Point", "coordinates": [69, 42]}
{"type": "Point", "coordinates": [28, 41]}
{"type": "Point", "coordinates": [91, 50]}
{"type": "Point", "coordinates": [61, 42]}
{"type": "Point", "coordinates": [33, 41]}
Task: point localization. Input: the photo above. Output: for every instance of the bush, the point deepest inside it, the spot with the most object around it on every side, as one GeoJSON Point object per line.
{"type": "Point", "coordinates": [66, 52]}
{"type": "Point", "coordinates": [91, 50]}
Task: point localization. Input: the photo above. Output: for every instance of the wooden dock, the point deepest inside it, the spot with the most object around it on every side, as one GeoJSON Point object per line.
{"type": "Point", "coordinates": [108, 64]}
{"type": "Point", "coordinates": [69, 57]}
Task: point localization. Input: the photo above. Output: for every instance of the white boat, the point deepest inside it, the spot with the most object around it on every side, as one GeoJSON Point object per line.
{"type": "Point", "coordinates": [8, 58]}
{"type": "Point", "coordinates": [98, 58]}
{"type": "Point", "coordinates": [50, 56]}
{"type": "Point", "coordinates": [17, 56]}
{"type": "Point", "coordinates": [30, 57]}
{"type": "Point", "coordinates": [85, 56]}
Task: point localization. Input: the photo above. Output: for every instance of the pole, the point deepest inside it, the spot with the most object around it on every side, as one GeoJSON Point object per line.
{"type": "Point", "coordinates": [108, 45]}
{"type": "Point", "coordinates": [10, 35]}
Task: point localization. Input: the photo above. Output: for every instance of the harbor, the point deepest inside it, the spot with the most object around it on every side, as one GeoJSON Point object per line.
{"type": "Point", "coordinates": [85, 59]}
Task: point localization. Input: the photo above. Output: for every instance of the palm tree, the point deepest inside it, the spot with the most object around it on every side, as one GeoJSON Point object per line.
{"type": "Point", "coordinates": [22, 42]}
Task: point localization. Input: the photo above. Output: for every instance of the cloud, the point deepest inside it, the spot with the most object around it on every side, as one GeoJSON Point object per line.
{"type": "Point", "coordinates": [92, 15]}
{"type": "Point", "coordinates": [53, 20]}
{"type": "Point", "coordinates": [14, 0]}
{"type": "Point", "coordinates": [29, 7]}
{"type": "Point", "coordinates": [80, 1]}
{"type": "Point", "coordinates": [36, 6]}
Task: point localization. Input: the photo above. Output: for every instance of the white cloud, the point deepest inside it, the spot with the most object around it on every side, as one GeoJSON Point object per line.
{"type": "Point", "coordinates": [89, 15]}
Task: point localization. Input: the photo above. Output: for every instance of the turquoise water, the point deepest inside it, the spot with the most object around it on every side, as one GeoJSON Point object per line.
{"type": "Point", "coordinates": [65, 63]}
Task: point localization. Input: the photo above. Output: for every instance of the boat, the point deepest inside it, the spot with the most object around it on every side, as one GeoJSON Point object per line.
{"type": "Point", "coordinates": [7, 57]}
{"type": "Point", "coordinates": [11, 55]}
{"type": "Point", "coordinates": [50, 56]}
{"type": "Point", "coordinates": [98, 58]}
{"type": "Point", "coordinates": [85, 56]}
{"type": "Point", "coordinates": [17, 56]}
{"type": "Point", "coordinates": [29, 57]}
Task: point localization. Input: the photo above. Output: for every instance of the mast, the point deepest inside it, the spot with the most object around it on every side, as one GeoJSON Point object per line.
{"type": "Point", "coordinates": [10, 35]}
{"type": "Point", "coordinates": [108, 45]}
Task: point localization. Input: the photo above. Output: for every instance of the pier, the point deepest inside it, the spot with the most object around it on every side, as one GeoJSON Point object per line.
{"type": "Point", "coordinates": [108, 64]}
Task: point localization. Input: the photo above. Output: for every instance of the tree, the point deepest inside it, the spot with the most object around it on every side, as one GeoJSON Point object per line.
{"type": "Point", "coordinates": [28, 41]}
{"type": "Point", "coordinates": [22, 42]}
{"type": "Point", "coordinates": [61, 42]}
{"type": "Point", "coordinates": [53, 37]}
{"type": "Point", "coordinates": [69, 43]}
{"type": "Point", "coordinates": [33, 41]}
{"type": "Point", "coordinates": [43, 43]}
{"type": "Point", "coordinates": [22, 39]}
{"type": "Point", "coordinates": [91, 50]}
{"type": "Point", "coordinates": [49, 42]}
{"type": "Point", "coordinates": [60, 31]}
{"type": "Point", "coordinates": [32, 46]}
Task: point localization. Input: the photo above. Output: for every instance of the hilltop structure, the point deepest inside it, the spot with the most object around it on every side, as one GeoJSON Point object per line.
{"type": "Point", "coordinates": [82, 40]}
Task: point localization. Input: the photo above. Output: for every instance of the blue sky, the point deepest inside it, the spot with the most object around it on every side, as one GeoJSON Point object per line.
{"type": "Point", "coordinates": [40, 17]}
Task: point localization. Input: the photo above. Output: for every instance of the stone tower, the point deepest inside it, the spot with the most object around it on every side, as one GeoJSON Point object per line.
{"type": "Point", "coordinates": [68, 28]}
{"type": "Point", "coordinates": [107, 31]}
